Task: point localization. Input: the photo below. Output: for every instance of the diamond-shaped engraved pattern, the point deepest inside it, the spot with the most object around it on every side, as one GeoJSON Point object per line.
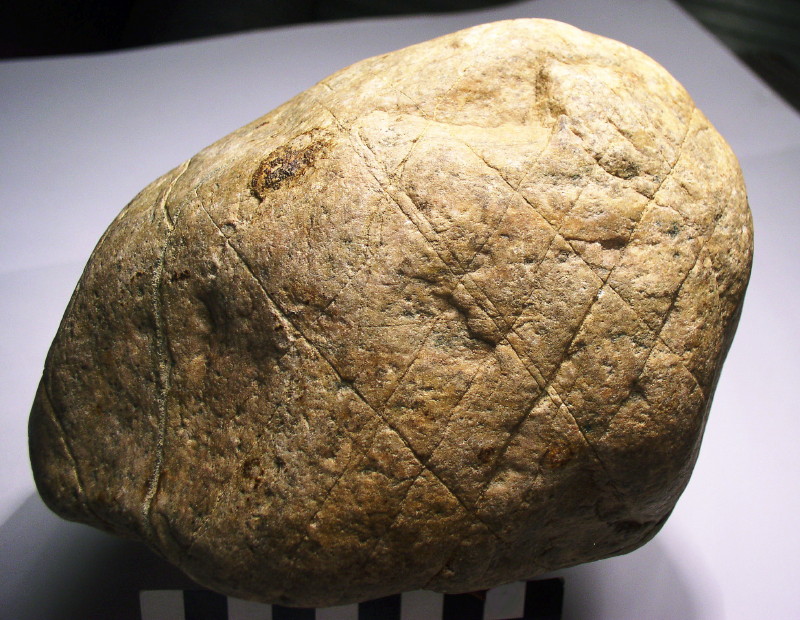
{"type": "Point", "coordinates": [462, 344]}
{"type": "Point", "coordinates": [598, 319]}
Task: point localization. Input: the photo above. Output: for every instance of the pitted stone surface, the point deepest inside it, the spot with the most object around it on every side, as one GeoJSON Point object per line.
{"type": "Point", "coordinates": [451, 318]}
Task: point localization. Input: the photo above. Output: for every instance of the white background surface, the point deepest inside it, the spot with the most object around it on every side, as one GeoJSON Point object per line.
{"type": "Point", "coordinates": [79, 136]}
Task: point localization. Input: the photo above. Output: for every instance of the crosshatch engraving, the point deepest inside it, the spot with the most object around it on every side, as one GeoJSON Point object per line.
{"type": "Point", "coordinates": [449, 319]}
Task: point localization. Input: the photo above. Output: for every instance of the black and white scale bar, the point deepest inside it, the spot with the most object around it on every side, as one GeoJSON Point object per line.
{"type": "Point", "coordinates": [532, 600]}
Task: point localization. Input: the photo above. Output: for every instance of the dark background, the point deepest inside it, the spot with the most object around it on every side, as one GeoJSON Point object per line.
{"type": "Point", "coordinates": [764, 33]}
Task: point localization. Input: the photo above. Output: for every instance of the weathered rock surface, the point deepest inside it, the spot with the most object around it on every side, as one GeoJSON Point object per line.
{"type": "Point", "coordinates": [452, 317]}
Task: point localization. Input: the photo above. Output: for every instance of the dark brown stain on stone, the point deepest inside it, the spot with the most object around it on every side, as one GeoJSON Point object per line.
{"type": "Point", "coordinates": [557, 455]}
{"type": "Point", "coordinates": [288, 162]}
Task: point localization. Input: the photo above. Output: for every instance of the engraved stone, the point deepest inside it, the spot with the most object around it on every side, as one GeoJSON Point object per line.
{"type": "Point", "coordinates": [452, 317]}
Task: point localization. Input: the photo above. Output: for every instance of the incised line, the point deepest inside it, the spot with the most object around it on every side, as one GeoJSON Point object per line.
{"type": "Point", "coordinates": [651, 201]}
{"type": "Point", "coordinates": [433, 450]}
{"type": "Point", "coordinates": [163, 206]}
{"type": "Point", "coordinates": [71, 456]}
{"type": "Point", "coordinates": [416, 355]}
{"type": "Point", "coordinates": [161, 355]}
{"type": "Point", "coordinates": [667, 314]}
{"type": "Point", "coordinates": [352, 386]}
{"type": "Point", "coordinates": [547, 386]}
{"type": "Point", "coordinates": [580, 325]}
